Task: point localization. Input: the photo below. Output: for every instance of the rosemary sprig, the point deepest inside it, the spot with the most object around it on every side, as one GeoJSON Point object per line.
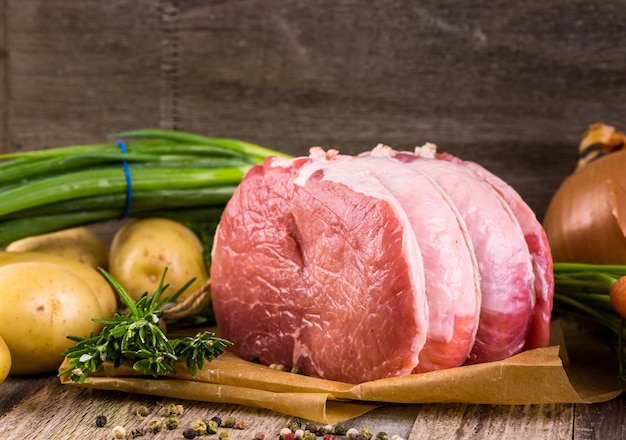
{"type": "Point", "coordinates": [136, 337]}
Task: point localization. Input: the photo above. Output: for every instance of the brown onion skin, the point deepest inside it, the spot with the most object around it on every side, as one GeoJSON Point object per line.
{"type": "Point", "coordinates": [586, 219]}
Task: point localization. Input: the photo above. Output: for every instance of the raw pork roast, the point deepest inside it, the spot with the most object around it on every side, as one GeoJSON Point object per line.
{"type": "Point", "coordinates": [356, 268]}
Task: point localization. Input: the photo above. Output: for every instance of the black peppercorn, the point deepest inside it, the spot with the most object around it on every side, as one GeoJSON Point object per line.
{"type": "Point", "coordinates": [101, 421]}
{"type": "Point", "coordinates": [189, 433]}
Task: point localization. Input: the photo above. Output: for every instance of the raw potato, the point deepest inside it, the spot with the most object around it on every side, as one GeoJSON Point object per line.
{"type": "Point", "coordinates": [96, 282]}
{"type": "Point", "coordinates": [5, 360]}
{"type": "Point", "coordinates": [141, 249]}
{"type": "Point", "coordinates": [78, 244]}
{"type": "Point", "coordinates": [40, 305]}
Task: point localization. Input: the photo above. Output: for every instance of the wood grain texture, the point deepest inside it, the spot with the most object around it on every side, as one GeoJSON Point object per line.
{"type": "Point", "coordinates": [43, 408]}
{"type": "Point", "coordinates": [509, 84]}
{"type": "Point", "coordinates": [79, 71]}
{"type": "Point", "coordinates": [47, 409]}
{"type": "Point", "coordinates": [495, 422]}
{"type": "Point", "coordinates": [3, 79]}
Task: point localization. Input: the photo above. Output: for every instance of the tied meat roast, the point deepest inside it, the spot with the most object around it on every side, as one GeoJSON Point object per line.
{"type": "Point", "coordinates": [356, 268]}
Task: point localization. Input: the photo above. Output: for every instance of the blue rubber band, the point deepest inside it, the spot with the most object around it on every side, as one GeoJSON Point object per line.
{"type": "Point", "coordinates": [129, 185]}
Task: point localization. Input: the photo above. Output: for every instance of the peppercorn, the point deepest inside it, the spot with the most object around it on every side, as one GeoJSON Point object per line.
{"type": "Point", "coordinates": [189, 433]}
{"type": "Point", "coordinates": [367, 433]}
{"type": "Point", "coordinates": [396, 437]}
{"type": "Point", "coordinates": [223, 435]}
{"type": "Point", "coordinates": [382, 436]}
{"type": "Point", "coordinates": [278, 367]}
{"type": "Point", "coordinates": [142, 411]}
{"type": "Point", "coordinates": [156, 425]}
{"type": "Point", "coordinates": [296, 370]}
{"type": "Point", "coordinates": [174, 410]}
{"type": "Point", "coordinates": [308, 435]}
{"type": "Point", "coordinates": [229, 422]}
{"type": "Point", "coordinates": [284, 432]}
{"type": "Point", "coordinates": [211, 426]}
{"type": "Point", "coordinates": [259, 436]}
{"type": "Point", "coordinates": [136, 432]}
{"type": "Point", "coordinates": [293, 426]}
{"type": "Point", "coordinates": [200, 427]}
{"type": "Point", "coordinates": [172, 422]}
{"type": "Point", "coordinates": [340, 429]}
{"type": "Point", "coordinates": [217, 420]}
{"type": "Point", "coordinates": [298, 433]}
{"type": "Point", "coordinates": [352, 433]}
{"type": "Point", "coordinates": [118, 432]}
{"type": "Point", "coordinates": [240, 425]}
{"type": "Point", "coordinates": [101, 421]}
{"type": "Point", "coordinates": [326, 429]}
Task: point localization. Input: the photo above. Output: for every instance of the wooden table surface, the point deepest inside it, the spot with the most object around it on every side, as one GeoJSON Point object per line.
{"type": "Point", "coordinates": [43, 408]}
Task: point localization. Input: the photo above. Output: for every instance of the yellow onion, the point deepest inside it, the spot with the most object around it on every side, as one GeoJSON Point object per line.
{"type": "Point", "coordinates": [586, 219]}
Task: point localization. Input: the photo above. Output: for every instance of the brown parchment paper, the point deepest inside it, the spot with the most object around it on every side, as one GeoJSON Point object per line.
{"type": "Point", "coordinates": [540, 376]}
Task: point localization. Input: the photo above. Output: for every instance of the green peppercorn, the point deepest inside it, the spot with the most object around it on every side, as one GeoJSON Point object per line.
{"type": "Point", "coordinates": [142, 411]}
{"type": "Point", "coordinates": [296, 370]}
{"type": "Point", "coordinates": [229, 422]}
{"type": "Point", "coordinates": [136, 432]}
{"type": "Point", "coordinates": [156, 425]}
{"type": "Point", "coordinates": [199, 426]}
{"type": "Point", "coordinates": [293, 426]}
{"type": "Point", "coordinates": [382, 436]}
{"type": "Point", "coordinates": [367, 433]}
{"type": "Point", "coordinates": [174, 410]}
{"type": "Point", "coordinates": [172, 422]}
{"type": "Point", "coordinates": [211, 426]}
{"type": "Point", "coordinates": [308, 435]}
{"type": "Point", "coordinates": [223, 435]}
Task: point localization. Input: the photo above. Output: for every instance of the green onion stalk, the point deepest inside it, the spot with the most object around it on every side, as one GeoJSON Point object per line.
{"type": "Point", "coordinates": [590, 292]}
{"type": "Point", "coordinates": [155, 172]}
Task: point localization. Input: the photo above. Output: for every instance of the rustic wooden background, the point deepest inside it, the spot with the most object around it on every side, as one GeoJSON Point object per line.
{"type": "Point", "coordinates": [510, 84]}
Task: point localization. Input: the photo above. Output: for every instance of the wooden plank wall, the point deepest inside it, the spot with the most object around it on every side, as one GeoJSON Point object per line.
{"type": "Point", "coordinates": [511, 84]}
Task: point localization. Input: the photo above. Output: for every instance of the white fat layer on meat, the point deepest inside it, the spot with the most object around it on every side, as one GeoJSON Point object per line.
{"type": "Point", "coordinates": [524, 216]}
{"type": "Point", "coordinates": [451, 279]}
{"type": "Point", "coordinates": [468, 243]}
{"type": "Point", "coordinates": [490, 223]}
{"type": "Point", "coordinates": [343, 170]}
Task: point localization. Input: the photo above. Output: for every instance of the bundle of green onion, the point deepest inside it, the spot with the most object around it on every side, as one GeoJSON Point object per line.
{"type": "Point", "coordinates": [595, 293]}
{"type": "Point", "coordinates": [174, 174]}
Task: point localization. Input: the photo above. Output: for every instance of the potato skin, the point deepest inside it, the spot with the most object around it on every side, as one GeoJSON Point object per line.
{"type": "Point", "coordinates": [94, 279]}
{"type": "Point", "coordinates": [78, 244]}
{"type": "Point", "coordinates": [142, 249]}
{"type": "Point", "coordinates": [5, 360]}
{"type": "Point", "coordinates": [40, 305]}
